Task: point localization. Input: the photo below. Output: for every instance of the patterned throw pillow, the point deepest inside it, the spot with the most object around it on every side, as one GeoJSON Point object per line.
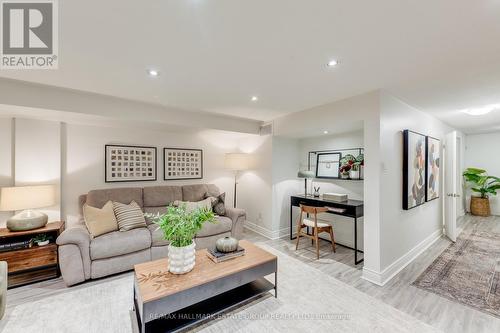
{"type": "Point", "coordinates": [218, 205]}
{"type": "Point", "coordinates": [192, 205]}
{"type": "Point", "coordinates": [129, 216]}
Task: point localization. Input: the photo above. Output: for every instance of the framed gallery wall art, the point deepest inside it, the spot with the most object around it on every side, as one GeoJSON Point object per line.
{"type": "Point", "coordinates": [433, 158]}
{"type": "Point", "coordinates": [414, 165]}
{"type": "Point", "coordinates": [328, 165]}
{"type": "Point", "coordinates": [129, 163]}
{"type": "Point", "coordinates": [180, 163]}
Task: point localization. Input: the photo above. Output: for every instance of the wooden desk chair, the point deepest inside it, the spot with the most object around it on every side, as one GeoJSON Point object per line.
{"type": "Point", "coordinates": [316, 226]}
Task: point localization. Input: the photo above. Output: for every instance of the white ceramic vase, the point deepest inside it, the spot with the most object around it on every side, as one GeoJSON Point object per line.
{"type": "Point", "coordinates": [181, 259]}
{"type": "Point", "coordinates": [354, 174]}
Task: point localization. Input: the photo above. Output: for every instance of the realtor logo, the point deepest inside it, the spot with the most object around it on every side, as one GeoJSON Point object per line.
{"type": "Point", "coordinates": [29, 34]}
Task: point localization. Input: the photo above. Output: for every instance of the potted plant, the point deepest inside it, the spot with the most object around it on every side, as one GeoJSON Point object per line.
{"type": "Point", "coordinates": [351, 166]}
{"type": "Point", "coordinates": [483, 184]}
{"type": "Point", "coordinates": [357, 165]}
{"type": "Point", "coordinates": [179, 227]}
{"type": "Point", "coordinates": [41, 239]}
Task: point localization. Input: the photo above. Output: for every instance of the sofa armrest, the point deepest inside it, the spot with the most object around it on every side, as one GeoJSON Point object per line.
{"type": "Point", "coordinates": [77, 235]}
{"type": "Point", "coordinates": [3, 287]}
{"type": "Point", "coordinates": [74, 254]}
{"type": "Point", "coordinates": [238, 216]}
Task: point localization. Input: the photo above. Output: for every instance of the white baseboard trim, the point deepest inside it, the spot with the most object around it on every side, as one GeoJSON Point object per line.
{"type": "Point", "coordinates": [276, 234]}
{"type": "Point", "coordinates": [397, 266]}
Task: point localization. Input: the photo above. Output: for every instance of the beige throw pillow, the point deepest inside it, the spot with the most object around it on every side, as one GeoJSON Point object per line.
{"type": "Point", "coordinates": [190, 206]}
{"type": "Point", "coordinates": [129, 216]}
{"type": "Point", "coordinates": [100, 221]}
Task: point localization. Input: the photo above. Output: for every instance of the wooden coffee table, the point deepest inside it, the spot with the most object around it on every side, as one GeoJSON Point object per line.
{"type": "Point", "coordinates": [166, 302]}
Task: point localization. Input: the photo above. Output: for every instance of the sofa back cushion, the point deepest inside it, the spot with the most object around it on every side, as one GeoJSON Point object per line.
{"type": "Point", "coordinates": [198, 192]}
{"type": "Point", "coordinates": [161, 196]}
{"type": "Point", "coordinates": [125, 195]}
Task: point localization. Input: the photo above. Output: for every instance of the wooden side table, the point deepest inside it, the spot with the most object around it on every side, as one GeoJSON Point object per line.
{"type": "Point", "coordinates": [33, 264]}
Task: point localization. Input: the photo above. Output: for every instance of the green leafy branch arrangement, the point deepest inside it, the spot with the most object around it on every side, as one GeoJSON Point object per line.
{"type": "Point", "coordinates": [180, 226]}
{"type": "Point", "coordinates": [483, 184]}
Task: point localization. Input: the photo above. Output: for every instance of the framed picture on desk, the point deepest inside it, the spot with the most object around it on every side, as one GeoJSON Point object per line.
{"type": "Point", "coordinates": [328, 165]}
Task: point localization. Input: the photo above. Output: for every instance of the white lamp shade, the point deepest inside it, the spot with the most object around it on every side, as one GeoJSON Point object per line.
{"type": "Point", "coordinates": [237, 161]}
{"type": "Point", "coordinates": [27, 197]}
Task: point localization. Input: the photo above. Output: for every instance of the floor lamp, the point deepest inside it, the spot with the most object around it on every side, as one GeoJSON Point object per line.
{"type": "Point", "coordinates": [236, 162]}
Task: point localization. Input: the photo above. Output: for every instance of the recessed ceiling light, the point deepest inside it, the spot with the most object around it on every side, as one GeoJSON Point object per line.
{"type": "Point", "coordinates": [255, 98]}
{"type": "Point", "coordinates": [333, 63]}
{"type": "Point", "coordinates": [325, 132]}
{"type": "Point", "coordinates": [481, 110]}
{"type": "Point", "coordinates": [153, 72]}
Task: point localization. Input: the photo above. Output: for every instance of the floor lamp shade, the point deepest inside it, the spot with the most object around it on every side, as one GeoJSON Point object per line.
{"type": "Point", "coordinates": [26, 198]}
{"type": "Point", "coordinates": [236, 162]}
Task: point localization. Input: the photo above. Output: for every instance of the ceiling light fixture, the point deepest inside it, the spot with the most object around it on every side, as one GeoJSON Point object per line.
{"type": "Point", "coordinates": [482, 110]}
{"type": "Point", "coordinates": [325, 132]}
{"type": "Point", "coordinates": [255, 98]}
{"type": "Point", "coordinates": [333, 63]}
{"type": "Point", "coordinates": [153, 72]}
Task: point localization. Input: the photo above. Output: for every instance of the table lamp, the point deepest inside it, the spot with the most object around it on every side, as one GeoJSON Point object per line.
{"type": "Point", "coordinates": [236, 162]}
{"type": "Point", "coordinates": [26, 198]}
{"type": "Point", "coordinates": [306, 174]}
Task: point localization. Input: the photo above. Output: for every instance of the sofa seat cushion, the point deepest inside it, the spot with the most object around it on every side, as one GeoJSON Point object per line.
{"type": "Point", "coordinates": [156, 236]}
{"type": "Point", "coordinates": [120, 242]}
{"type": "Point", "coordinates": [222, 225]}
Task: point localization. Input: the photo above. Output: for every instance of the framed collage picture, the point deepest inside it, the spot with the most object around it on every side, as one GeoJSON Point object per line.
{"type": "Point", "coordinates": [129, 163]}
{"type": "Point", "coordinates": [180, 163]}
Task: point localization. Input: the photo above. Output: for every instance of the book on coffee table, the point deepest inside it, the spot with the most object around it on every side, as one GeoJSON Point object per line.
{"type": "Point", "coordinates": [217, 256]}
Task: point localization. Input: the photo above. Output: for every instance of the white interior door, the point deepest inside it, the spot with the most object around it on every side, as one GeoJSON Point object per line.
{"type": "Point", "coordinates": [450, 186]}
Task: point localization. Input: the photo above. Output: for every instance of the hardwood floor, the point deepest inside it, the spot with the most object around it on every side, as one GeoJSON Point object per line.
{"type": "Point", "coordinates": [399, 293]}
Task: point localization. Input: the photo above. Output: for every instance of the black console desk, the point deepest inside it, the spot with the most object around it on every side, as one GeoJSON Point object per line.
{"type": "Point", "coordinates": [349, 208]}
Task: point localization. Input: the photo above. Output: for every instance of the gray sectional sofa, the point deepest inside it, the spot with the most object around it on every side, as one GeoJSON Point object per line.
{"type": "Point", "coordinates": [82, 257]}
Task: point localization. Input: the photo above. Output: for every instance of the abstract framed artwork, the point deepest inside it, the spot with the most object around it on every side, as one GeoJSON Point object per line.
{"type": "Point", "coordinates": [129, 163]}
{"type": "Point", "coordinates": [414, 165]}
{"type": "Point", "coordinates": [180, 163]}
{"type": "Point", "coordinates": [328, 165]}
{"type": "Point", "coordinates": [433, 162]}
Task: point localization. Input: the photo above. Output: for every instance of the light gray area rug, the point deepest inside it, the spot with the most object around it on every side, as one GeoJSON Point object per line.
{"type": "Point", "coordinates": [468, 271]}
{"type": "Point", "coordinates": [308, 300]}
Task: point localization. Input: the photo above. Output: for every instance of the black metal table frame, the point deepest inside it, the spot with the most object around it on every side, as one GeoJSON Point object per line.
{"type": "Point", "coordinates": [356, 250]}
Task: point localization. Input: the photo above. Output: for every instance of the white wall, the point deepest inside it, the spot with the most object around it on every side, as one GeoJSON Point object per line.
{"type": "Point", "coordinates": [402, 231]}
{"type": "Point", "coordinates": [481, 152]}
{"type": "Point", "coordinates": [6, 169]}
{"type": "Point", "coordinates": [343, 226]}
{"type": "Point", "coordinates": [72, 157]}
{"type": "Point", "coordinates": [286, 161]}
{"type": "Point", "coordinates": [363, 108]}
{"type": "Point", "coordinates": [38, 157]}
{"type": "Point", "coordinates": [255, 184]}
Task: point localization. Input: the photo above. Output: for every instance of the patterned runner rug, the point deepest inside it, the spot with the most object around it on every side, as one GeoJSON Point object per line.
{"type": "Point", "coordinates": [468, 272]}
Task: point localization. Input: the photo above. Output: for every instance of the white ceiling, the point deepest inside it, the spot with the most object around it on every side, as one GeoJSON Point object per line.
{"type": "Point", "coordinates": [439, 56]}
